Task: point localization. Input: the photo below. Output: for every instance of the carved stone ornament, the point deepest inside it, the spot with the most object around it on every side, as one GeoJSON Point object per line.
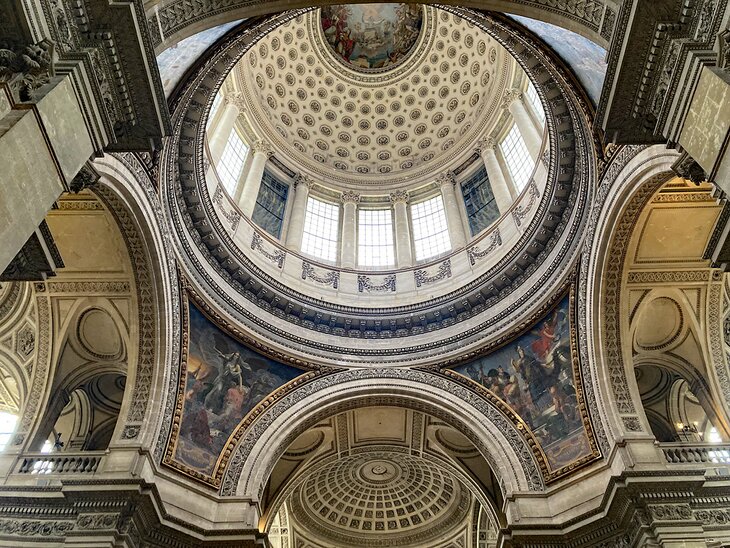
{"type": "Point", "coordinates": [304, 181]}
{"type": "Point", "coordinates": [485, 144]}
{"type": "Point", "coordinates": [87, 177]}
{"type": "Point", "coordinates": [510, 96]}
{"type": "Point", "coordinates": [263, 147]}
{"type": "Point", "coordinates": [27, 68]}
{"type": "Point", "coordinates": [687, 168]}
{"type": "Point", "coordinates": [399, 196]}
{"type": "Point", "coordinates": [446, 179]}
{"type": "Point", "coordinates": [350, 197]}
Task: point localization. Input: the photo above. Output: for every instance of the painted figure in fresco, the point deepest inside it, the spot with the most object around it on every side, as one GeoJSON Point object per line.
{"type": "Point", "coordinates": [229, 376]}
{"type": "Point", "coordinates": [370, 36]}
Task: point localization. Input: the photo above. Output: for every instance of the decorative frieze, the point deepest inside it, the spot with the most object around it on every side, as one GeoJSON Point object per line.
{"type": "Point", "coordinates": [331, 277]}
{"type": "Point", "coordinates": [364, 283]}
{"type": "Point", "coordinates": [474, 253]}
{"type": "Point", "coordinates": [277, 257]}
{"type": "Point", "coordinates": [422, 277]}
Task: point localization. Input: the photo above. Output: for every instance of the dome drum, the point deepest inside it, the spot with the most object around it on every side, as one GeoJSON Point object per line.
{"type": "Point", "coordinates": [240, 267]}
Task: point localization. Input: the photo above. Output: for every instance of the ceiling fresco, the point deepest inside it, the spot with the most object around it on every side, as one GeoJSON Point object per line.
{"type": "Point", "coordinates": [222, 382]}
{"type": "Point", "coordinates": [586, 59]}
{"type": "Point", "coordinates": [536, 375]}
{"type": "Point", "coordinates": [372, 37]}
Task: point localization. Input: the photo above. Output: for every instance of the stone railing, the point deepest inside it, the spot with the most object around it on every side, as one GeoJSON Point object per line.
{"type": "Point", "coordinates": [60, 463]}
{"type": "Point", "coordinates": [708, 453]}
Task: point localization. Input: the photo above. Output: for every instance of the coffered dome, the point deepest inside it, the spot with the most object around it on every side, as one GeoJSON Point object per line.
{"type": "Point", "coordinates": [358, 499]}
{"type": "Point", "coordinates": [344, 123]}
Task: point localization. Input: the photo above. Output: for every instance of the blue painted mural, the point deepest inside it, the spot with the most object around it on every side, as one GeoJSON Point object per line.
{"type": "Point", "coordinates": [586, 59]}
{"type": "Point", "coordinates": [174, 61]}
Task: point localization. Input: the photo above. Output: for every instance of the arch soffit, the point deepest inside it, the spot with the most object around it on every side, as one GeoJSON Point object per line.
{"type": "Point", "coordinates": [174, 20]}
{"type": "Point", "coordinates": [634, 174]}
{"type": "Point", "coordinates": [503, 446]}
{"type": "Point", "coordinates": [127, 190]}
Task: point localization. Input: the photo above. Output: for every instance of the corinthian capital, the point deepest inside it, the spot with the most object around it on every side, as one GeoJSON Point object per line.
{"type": "Point", "coordinates": [350, 197]}
{"type": "Point", "coordinates": [399, 196]}
{"type": "Point", "coordinates": [235, 98]}
{"type": "Point", "coordinates": [304, 181]}
{"type": "Point", "coordinates": [263, 147]}
{"type": "Point", "coordinates": [510, 96]}
{"type": "Point", "coordinates": [485, 143]}
{"type": "Point", "coordinates": [446, 179]}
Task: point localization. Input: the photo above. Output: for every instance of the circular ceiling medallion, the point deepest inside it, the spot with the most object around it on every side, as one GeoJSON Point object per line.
{"type": "Point", "coordinates": [372, 37]}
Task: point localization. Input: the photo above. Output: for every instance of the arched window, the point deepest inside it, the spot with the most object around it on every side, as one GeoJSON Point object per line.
{"type": "Point", "coordinates": [375, 237]}
{"type": "Point", "coordinates": [430, 230]}
{"type": "Point", "coordinates": [321, 227]}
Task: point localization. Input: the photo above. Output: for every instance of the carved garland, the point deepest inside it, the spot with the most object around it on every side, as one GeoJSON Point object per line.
{"type": "Point", "coordinates": [331, 277]}
{"type": "Point", "coordinates": [364, 283]}
{"type": "Point", "coordinates": [277, 257]}
{"type": "Point", "coordinates": [422, 277]}
{"type": "Point", "coordinates": [474, 253]}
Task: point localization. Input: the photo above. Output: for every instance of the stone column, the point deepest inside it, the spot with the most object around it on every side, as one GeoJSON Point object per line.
{"type": "Point", "coordinates": [530, 133]}
{"type": "Point", "coordinates": [302, 185]}
{"type": "Point", "coordinates": [403, 250]}
{"type": "Point", "coordinates": [456, 228]}
{"type": "Point", "coordinates": [262, 151]}
{"type": "Point", "coordinates": [501, 189]}
{"type": "Point", "coordinates": [348, 243]}
{"type": "Point", "coordinates": [221, 130]}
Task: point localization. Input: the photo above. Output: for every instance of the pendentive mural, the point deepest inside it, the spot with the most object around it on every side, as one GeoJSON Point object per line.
{"type": "Point", "coordinates": [222, 381]}
{"type": "Point", "coordinates": [372, 37]}
{"type": "Point", "coordinates": [538, 377]}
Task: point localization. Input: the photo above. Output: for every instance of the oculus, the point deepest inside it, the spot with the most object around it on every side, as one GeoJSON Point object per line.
{"type": "Point", "coordinates": [372, 37]}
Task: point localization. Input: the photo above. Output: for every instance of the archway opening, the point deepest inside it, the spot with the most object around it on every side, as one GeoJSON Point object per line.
{"type": "Point", "coordinates": [382, 472]}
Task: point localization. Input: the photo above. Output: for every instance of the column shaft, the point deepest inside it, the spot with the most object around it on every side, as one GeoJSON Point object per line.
{"type": "Point", "coordinates": [348, 244]}
{"type": "Point", "coordinates": [500, 187]}
{"type": "Point", "coordinates": [530, 133]}
{"type": "Point", "coordinates": [298, 211]}
{"type": "Point", "coordinates": [453, 216]}
{"type": "Point", "coordinates": [403, 250]}
{"type": "Point", "coordinates": [247, 201]}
